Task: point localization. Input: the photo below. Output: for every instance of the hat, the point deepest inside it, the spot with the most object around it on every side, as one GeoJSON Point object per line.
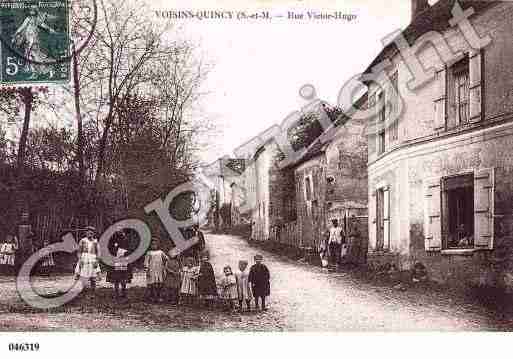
{"type": "Point", "coordinates": [259, 257]}
{"type": "Point", "coordinates": [90, 228]}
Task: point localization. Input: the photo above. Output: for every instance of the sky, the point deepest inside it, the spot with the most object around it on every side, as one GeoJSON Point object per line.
{"type": "Point", "coordinates": [259, 67]}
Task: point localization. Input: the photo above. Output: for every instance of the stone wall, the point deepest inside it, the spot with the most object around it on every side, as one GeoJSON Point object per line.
{"type": "Point", "coordinates": [311, 214]}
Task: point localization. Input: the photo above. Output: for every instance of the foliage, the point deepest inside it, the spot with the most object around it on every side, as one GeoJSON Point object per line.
{"type": "Point", "coordinates": [140, 116]}
{"type": "Point", "coordinates": [305, 132]}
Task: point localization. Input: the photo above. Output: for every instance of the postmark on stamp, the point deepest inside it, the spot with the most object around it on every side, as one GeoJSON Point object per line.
{"type": "Point", "coordinates": [34, 38]}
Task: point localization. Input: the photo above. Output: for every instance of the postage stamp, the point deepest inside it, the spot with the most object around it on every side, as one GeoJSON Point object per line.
{"type": "Point", "coordinates": [34, 36]}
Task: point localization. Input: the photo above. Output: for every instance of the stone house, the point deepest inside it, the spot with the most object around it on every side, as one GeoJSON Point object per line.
{"type": "Point", "coordinates": [331, 182]}
{"type": "Point", "coordinates": [440, 184]}
{"type": "Point", "coordinates": [293, 205]}
{"type": "Point", "coordinates": [269, 193]}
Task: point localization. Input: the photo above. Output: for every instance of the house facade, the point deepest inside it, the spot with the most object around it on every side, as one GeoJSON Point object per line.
{"type": "Point", "coordinates": [440, 184]}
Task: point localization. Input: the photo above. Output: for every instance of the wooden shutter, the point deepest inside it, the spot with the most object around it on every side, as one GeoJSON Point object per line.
{"type": "Point", "coordinates": [380, 125]}
{"type": "Point", "coordinates": [433, 223]}
{"type": "Point", "coordinates": [372, 128]}
{"type": "Point", "coordinates": [440, 99]}
{"type": "Point", "coordinates": [483, 208]}
{"type": "Point", "coordinates": [393, 114]}
{"type": "Point", "coordinates": [386, 217]}
{"type": "Point", "coordinates": [372, 220]}
{"type": "Point", "coordinates": [476, 82]}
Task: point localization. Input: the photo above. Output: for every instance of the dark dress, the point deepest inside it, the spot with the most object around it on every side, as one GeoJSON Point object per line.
{"type": "Point", "coordinates": [259, 278]}
{"type": "Point", "coordinates": [121, 272]}
{"type": "Point", "coordinates": [201, 242]}
{"type": "Point", "coordinates": [207, 280]}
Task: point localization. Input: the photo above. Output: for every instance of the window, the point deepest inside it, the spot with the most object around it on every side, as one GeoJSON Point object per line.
{"type": "Point", "coordinates": [459, 94]}
{"type": "Point", "coordinates": [315, 210]}
{"type": "Point", "coordinates": [381, 123]}
{"type": "Point", "coordinates": [381, 142]}
{"type": "Point", "coordinates": [458, 212]}
{"type": "Point", "coordinates": [308, 189]}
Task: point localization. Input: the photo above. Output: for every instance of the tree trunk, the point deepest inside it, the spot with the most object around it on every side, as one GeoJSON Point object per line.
{"type": "Point", "coordinates": [21, 202]}
{"type": "Point", "coordinates": [102, 149]}
{"type": "Point", "coordinates": [28, 99]}
{"type": "Point", "coordinates": [80, 134]}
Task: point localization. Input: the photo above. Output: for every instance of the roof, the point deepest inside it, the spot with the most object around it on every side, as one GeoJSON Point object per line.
{"type": "Point", "coordinates": [319, 146]}
{"type": "Point", "coordinates": [434, 18]}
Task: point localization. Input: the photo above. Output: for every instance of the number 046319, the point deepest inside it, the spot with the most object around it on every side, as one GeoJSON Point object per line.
{"type": "Point", "coordinates": [23, 347]}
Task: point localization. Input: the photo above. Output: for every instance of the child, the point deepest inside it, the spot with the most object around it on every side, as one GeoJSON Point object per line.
{"type": "Point", "coordinates": [121, 273]}
{"type": "Point", "coordinates": [243, 287]}
{"type": "Point", "coordinates": [88, 265]}
{"type": "Point", "coordinates": [229, 288]}
{"type": "Point", "coordinates": [189, 289]}
{"type": "Point", "coordinates": [323, 253]}
{"type": "Point", "coordinates": [8, 253]}
{"type": "Point", "coordinates": [173, 277]}
{"type": "Point", "coordinates": [155, 264]}
{"type": "Point", "coordinates": [259, 279]}
{"type": "Point", "coordinates": [207, 288]}
{"type": "Point", "coordinates": [47, 262]}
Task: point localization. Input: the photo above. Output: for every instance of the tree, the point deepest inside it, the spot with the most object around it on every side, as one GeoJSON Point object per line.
{"type": "Point", "coordinates": [11, 100]}
{"type": "Point", "coordinates": [50, 148]}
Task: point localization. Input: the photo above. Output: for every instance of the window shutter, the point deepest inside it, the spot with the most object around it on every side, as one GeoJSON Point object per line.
{"type": "Point", "coordinates": [379, 125]}
{"type": "Point", "coordinates": [451, 99]}
{"type": "Point", "coordinates": [393, 112]}
{"type": "Point", "coordinates": [440, 99]}
{"type": "Point", "coordinates": [312, 192]}
{"type": "Point", "coordinates": [386, 217]}
{"type": "Point", "coordinates": [433, 224]}
{"type": "Point", "coordinates": [476, 81]}
{"type": "Point", "coordinates": [373, 132]}
{"type": "Point", "coordinates": [483, 208]}
{"type": "Point", "coordinates": [372, 220]}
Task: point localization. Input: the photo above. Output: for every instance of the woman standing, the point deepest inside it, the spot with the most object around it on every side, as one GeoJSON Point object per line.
{"type": "Point", "coordinates": [88, 265]}
{"type": "Point", "coordinates": [355, 245]}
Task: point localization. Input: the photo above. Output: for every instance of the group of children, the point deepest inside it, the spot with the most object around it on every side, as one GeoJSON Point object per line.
{"type": "Point", "coordinates": [192, 284]}
{"type": "Point", "coordinates": [9, 251]}
{"type": "Point", "coordinates": [177, 280]}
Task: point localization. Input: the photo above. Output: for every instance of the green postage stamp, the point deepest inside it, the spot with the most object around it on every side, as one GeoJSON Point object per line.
{"type": "Point", "coordinates": [34, 42]}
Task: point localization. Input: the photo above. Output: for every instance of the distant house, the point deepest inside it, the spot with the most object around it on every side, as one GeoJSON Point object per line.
{"type": "Point", "coordinates": [224, 173]}
{"type": "Point", "coordinates": [291, 205]}
{"type": "Point", "coordinates": [440, 184]}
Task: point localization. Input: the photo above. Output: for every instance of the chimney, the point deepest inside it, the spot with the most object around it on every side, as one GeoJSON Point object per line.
{"type": "Point", "coordinates": [418, 6]}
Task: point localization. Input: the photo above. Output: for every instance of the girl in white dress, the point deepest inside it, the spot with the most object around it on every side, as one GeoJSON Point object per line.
{"type": "Point", "coordinates": [8, 252]}
{"type": "Point", "coordinates": [155, 264]}
{"type": "Point", "coordinates": [229, 288]}
{"type": "Point", "coordinates": [189, 289]}
{"type": "Point", "coordinates": [243, 286]}
{"type": "Point", "coordinates": [88, 265]}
